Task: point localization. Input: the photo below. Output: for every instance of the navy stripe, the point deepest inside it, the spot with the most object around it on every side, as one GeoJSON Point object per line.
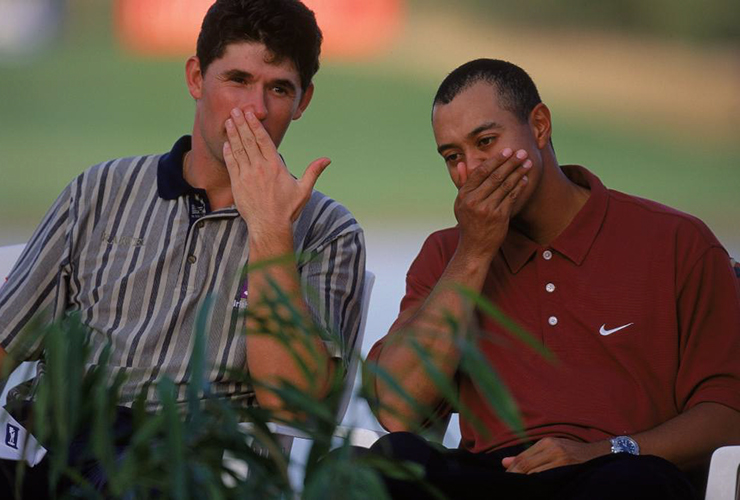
{"type": "Point", "coordinates": [354, 291]}
{"type": "Point", "coordinates": [101, 193]}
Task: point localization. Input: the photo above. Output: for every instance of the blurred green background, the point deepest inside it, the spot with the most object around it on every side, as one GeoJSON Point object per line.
{"type": "Point", "coordinates": [642, 93]}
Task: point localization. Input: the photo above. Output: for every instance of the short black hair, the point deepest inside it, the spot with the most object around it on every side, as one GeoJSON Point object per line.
{"type": "Point", "coordinates": [517, 92]}
{"type": "Point", "coordinates": [286, 27]}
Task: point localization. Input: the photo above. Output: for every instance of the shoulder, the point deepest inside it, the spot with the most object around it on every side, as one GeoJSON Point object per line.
{"type": "Point", "coordinates": [324, 219]}
{"type": "Point", "coordinates": [442, 242]}
{"type": "Point", "coordinates": [437, 250]}
{"type": "Point", "coordinates": [118, 173]}
{"type": "Point", "coordinates": [661, 222]}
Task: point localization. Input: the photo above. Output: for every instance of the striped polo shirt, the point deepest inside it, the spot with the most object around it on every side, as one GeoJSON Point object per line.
{"type": "Point", "coordinates": [135, 250]}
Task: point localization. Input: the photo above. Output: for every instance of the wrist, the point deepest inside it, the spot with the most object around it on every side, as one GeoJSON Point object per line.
{"type": "Point", "coordinates": [270, 241]}
{"type": "Point", "coordinates": [474, 255]}
{"type": "Point", "coordinates": [624, 444]}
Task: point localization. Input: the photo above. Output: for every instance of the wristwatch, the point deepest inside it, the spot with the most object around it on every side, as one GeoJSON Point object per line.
{"type": "Point", "coordinates": [625, 444]}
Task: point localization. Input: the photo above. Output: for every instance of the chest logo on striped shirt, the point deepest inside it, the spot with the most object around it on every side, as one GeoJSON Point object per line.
{"type": "Point", "coordinates": [605, 333]}
{"type": "Point", "coordinates": [126, 241]}
{"type": "Point", "coordinates": [241, 300]}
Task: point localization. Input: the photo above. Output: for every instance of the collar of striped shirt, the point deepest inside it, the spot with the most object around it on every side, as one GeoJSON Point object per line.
{"type": "Point", "coordinates": [170, 182]}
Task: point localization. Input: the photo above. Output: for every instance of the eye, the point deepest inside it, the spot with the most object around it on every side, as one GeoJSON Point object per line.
{"type": "Point", "coordinates": [452, 158]}
{"type": "Point", "coordinates": [283, 90]}
{"type": "Point", "coordinates": [487, 140]}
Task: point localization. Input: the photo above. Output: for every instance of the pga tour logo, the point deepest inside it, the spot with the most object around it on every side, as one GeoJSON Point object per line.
{"type": "Point", "coordinates": [11, 436]}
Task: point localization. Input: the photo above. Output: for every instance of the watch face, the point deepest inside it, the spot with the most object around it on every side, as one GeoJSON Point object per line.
{"type": "Point", "coordinates": [624, 444]}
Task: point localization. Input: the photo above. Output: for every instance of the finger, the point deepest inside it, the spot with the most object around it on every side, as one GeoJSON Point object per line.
{"type": "Point", "coordinates": [478, 175]}
{"type": "Point", "coordinates": [507, 204]}
{"type": "Point", "coordinates": [263, 140]}
{"type": "Point", "coordinates": [231, 164]}
{"type": "Point", "coordinates": [246, 135]}
{"type": "Point", "coordinates": [462, 173]}
{"type": "Point", "coordinates": [500, 175]}
{"type": "Point", "coordinates": [511, 187]}
{"type": "Point", "coordinates": [532, 457]}
{"type": "Point", "coordinates": [543, 467]}
{"type": "Point", "coordinates": [312, 173]}
{"type": "Point", "coordinates": [235, 142]}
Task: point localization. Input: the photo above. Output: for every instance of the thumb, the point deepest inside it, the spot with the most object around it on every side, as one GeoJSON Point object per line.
{"type": "Point", "coordinates": [506, 462]}
{"type": "Point", "coordinates": [312, 173]}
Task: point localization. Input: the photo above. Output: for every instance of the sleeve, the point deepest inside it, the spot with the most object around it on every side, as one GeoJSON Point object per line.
{"type": "Point", "coordinates": [333, 281]}
{"type": "Point", "coordinates": [37, 284]}
{"type": "Point", "coordinates": [709, 323]}
{"type": "Point", "coordinates": [421, 278]}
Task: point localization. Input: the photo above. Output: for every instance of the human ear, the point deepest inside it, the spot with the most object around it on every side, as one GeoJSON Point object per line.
{"type": "Point", "coordinates": [541, 125]}
{"type": "Point", "coordinates": [304, 102]}
{"type": "Point", "coordinates": [194, 77]}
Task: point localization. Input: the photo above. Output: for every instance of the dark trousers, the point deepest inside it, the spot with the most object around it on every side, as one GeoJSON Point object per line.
{"type": "Point", "coordinates": [459, 474]}
{"type": "Point", "coordinates": [35, 484]}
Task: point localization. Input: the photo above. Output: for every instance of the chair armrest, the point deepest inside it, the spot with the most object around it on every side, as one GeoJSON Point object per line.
{"type": "Point", "coordinates": [722, 483]}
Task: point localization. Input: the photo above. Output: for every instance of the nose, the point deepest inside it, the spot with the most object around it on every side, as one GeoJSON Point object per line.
{"type": "Point", "coordinates": [256, 103]}
{"type": "Point", "coordinates": [475, 159]}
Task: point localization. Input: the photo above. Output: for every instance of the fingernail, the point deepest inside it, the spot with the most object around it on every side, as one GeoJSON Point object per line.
{"type": "Point", "coordinates": [506, 152]}
{"type": "Point", "coordinates": [527, 164]}
{"type": "Point", "coordinates": [250, 116]}
{"type": "Point", "coordinates": [525, 179]}
{"type": "Point", "coordinates": [229, 123]}
{"type": "Point", "coordinates": [235, 112]}
{"type": "Point", "coordinates": [521, 154]}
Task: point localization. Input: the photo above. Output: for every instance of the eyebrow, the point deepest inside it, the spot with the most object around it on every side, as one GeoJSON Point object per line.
{"type": "Point", "coordinates": [477, 130]}
{"type": "Point", "coordinates": [238, 74]}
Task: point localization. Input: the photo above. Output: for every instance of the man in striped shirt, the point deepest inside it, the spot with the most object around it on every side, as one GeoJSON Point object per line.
{"type": "Point", "coordinates": [135, 245]}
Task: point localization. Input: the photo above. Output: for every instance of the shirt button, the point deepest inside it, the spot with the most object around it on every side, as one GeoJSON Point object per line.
{"type": "Point", "coordinates": [547, 255]}
{"type": "Point", "coordinates": [550, 287]}
{"type": "Point", "coordinates": [552, 320]}
{"type": "Point", "coordinates": [192, 259]}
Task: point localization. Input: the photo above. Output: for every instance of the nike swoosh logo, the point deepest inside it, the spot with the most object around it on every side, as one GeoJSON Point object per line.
{"type": "Point", "coordinates": [603, 331]}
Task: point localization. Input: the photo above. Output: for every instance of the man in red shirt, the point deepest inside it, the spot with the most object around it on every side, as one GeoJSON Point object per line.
{"type": "Point", "coordinates": [636, 301]}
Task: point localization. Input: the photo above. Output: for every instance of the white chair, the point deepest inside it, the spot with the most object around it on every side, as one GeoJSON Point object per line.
{"type": "Point", "coordinates": [724, 471]}
{"type": "Point", "coordinates": [8, 256]}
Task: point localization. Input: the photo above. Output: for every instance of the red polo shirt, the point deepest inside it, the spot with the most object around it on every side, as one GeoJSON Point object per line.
{"type": "Point", "coordinates": [638, 302]}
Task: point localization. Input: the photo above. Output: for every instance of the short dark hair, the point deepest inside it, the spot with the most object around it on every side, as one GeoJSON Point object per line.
{"type": "Point", "coordinates": [517, 92]}
{"type": "Point", "coordinates": [286, 27]}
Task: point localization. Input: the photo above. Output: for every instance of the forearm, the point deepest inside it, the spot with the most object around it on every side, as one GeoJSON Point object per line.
{"type": "Point", "coordinates": [691, 437]}
{"type": "Point", "coordinates": [429, 330]}
{"type": "Point", "coordinates": [7, 365]}
{"type": "Point", "coordinates": [277, 354]}
{"type": "Point", "coordinates": [685, 440]}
